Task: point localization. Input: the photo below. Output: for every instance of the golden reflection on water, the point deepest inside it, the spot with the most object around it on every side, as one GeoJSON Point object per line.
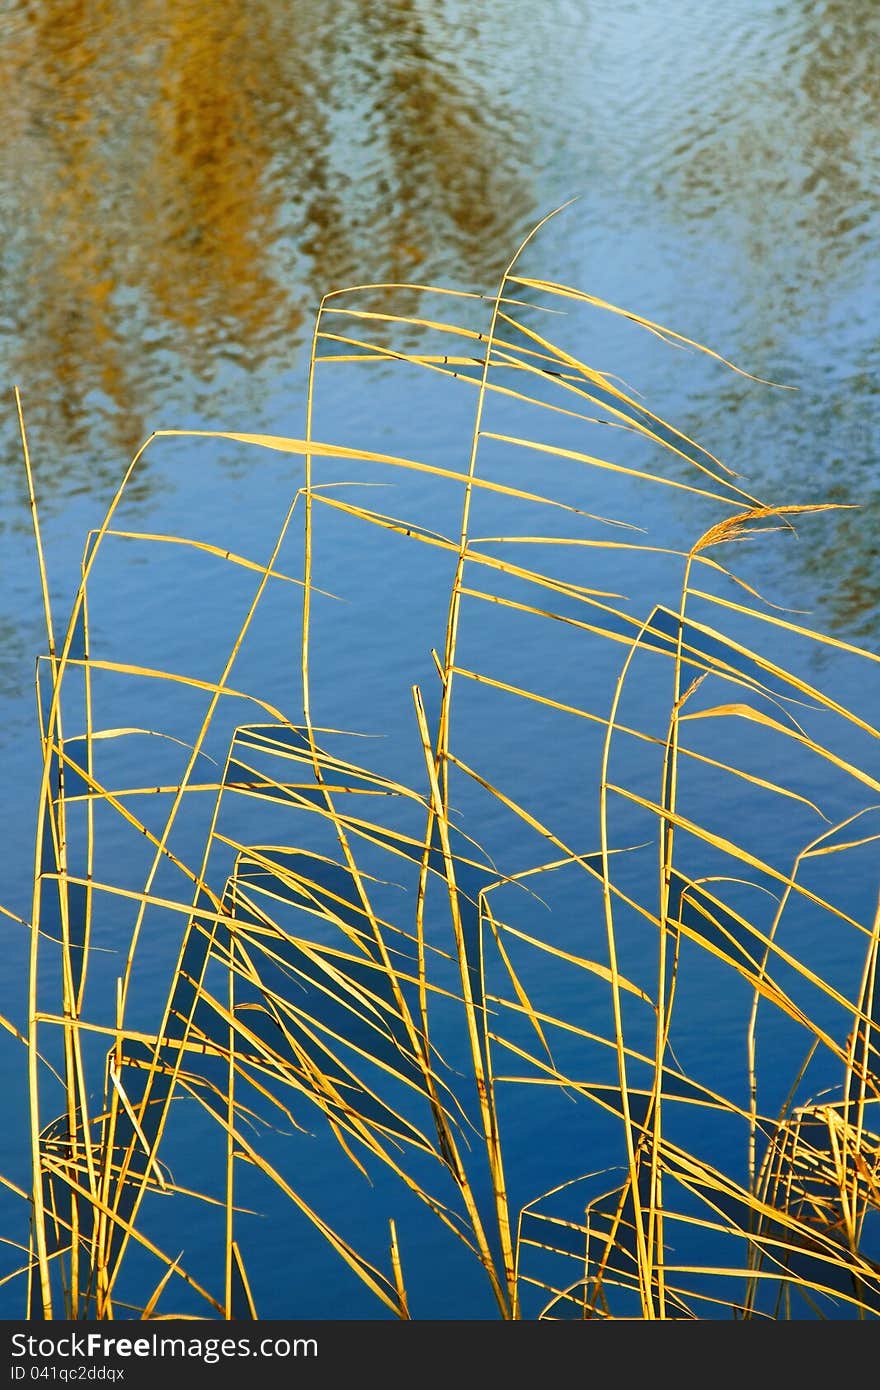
{"type": "Point", "coordinates": [188, 178]}
{"type": "Point", "coordinates": [183, 179]}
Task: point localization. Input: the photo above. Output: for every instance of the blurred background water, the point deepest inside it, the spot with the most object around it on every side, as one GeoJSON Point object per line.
{"type": "Point", "coordinates": [182, 182]}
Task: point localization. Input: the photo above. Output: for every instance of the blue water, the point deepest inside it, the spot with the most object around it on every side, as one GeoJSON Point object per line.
{"type": "Point", "coordinates": [178, 192]}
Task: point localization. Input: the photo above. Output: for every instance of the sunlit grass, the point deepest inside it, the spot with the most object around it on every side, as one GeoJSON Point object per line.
{"type": "Point", "coordinates": [296, 992]}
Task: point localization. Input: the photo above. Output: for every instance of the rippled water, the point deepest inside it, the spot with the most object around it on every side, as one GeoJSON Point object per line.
{"type": "Point", "coordinates": [181, 183]}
